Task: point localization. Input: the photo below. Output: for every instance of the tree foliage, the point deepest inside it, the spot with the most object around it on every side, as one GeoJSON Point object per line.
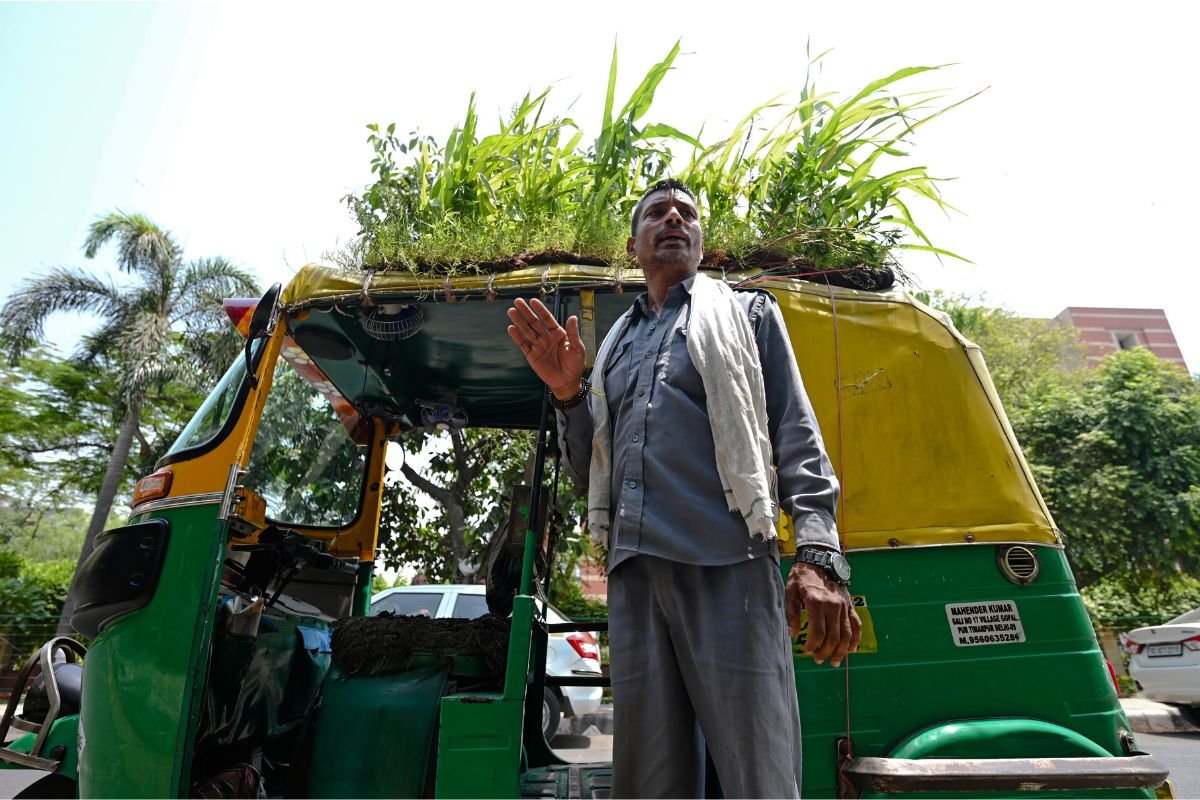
{"type": "Point", "coordinates": [444, 526]}
{"type": "Point", "coordinates": [1022, 353]}
{"type": "Point", "coordinates": [160, 329]}
{"type": "Point", "coordinates": [462, 482]}
{"type": "Point", "coordinates": [161, 326]}
{"type": "Point", "coordinates": [56, 435]}
{"type": "Point", "coordinates": [819, 182]}
{"type": "Point", "coordinates": [1118, 462]}
{"type": "Point", "coordinates": [31, 597]}
{"type": "Point", "coordinates": [1114, 603]}
{"type": "Point", "coordinates": [57, 431]}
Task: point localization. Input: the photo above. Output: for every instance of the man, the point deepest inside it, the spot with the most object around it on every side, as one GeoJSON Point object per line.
{"type": "Point", "coordinates": [694, 379]}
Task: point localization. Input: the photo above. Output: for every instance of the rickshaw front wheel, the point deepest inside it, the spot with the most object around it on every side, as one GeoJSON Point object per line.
{"type": "Point", "coordinates": [51, 787]}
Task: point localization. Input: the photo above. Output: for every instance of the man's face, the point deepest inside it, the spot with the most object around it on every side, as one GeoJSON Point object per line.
{"type": "Point", "coordinates": [668, 231]}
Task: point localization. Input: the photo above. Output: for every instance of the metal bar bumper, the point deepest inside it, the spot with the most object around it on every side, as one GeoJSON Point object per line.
{"type": "Point", "coordinates": [27, 761]}
{"type": "Point", "coordinates": [889, 775]}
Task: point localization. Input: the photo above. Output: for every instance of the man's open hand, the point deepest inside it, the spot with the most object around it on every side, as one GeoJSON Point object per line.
{"type": "Point", "coordinates": [555, 353]}
{"type": "Point", "coordinates": [834, 628]}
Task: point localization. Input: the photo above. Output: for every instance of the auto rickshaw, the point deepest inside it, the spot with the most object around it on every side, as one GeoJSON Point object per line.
{"type": "Point", "coordinates": [223, 617]}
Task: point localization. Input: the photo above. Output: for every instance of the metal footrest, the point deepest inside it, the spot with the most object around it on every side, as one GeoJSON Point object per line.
{"type": "Point", "coordinates": [893, 775]}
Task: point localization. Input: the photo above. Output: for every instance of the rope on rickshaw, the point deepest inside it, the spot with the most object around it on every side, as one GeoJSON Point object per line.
{"type": "Point", "coordinates": [841, 510]}
{"type": "Point", "coordinates": [841, 513]}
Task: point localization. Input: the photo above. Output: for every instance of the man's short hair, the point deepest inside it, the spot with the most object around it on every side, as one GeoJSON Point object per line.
{"type": "Point", "coordinates": [667, 183]}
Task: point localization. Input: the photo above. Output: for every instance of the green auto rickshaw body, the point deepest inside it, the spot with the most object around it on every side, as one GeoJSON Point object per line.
{"type": "Point", "coordinates": [977, 645]}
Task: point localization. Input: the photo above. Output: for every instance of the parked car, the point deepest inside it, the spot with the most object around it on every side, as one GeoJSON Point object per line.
{"type": "Point", "coordinates": [566, 654]}
{"type": "Point", "coordinates": [1164, 661]}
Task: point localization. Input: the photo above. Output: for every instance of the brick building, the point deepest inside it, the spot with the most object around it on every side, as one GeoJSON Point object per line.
{"type": "Point", "coordinates": [593, 583]}
{"type": "Point", "coordinates": [1107, 330]}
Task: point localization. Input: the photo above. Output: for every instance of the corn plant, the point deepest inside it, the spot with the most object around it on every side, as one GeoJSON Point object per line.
{"type": "Point", "coordinates": [818, 182]}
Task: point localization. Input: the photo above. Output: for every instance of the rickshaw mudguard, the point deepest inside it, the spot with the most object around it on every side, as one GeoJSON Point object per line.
{"type": "Point", "coordinates": [975, 755]}
{"type": "Point", "coordinates": [64, 733]}
{"type": "Point", "coordinates": [1004, 754]}
{"type": "Point", "coordinates": [997, 738]}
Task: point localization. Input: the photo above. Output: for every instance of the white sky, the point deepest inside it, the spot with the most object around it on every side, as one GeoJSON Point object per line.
{"type": "Point", "coordinates": [240, 126]}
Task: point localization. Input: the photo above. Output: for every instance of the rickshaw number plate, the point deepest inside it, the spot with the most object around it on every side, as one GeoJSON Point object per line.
{"type": "Point", "coordinates": [985, 622]}
{"type": "Point", "coordinates": [1156, 650]}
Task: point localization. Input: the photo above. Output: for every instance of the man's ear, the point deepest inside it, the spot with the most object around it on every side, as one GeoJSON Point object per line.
{"type": "Point", "coordinates": [630, 249]}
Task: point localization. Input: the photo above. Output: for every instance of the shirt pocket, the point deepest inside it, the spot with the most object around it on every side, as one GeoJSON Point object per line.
{"type": "Point", "coordinates": [676, 368]}
{"type": "Point", "coordinates": [618, 356]}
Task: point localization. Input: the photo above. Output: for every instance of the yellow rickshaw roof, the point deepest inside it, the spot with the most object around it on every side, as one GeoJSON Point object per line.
{"type": "Point", "coordinates": [908, 412]}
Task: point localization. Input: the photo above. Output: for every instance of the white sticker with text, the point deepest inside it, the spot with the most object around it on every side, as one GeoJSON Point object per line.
{"type": "Point", "coordinates": [987, 622]}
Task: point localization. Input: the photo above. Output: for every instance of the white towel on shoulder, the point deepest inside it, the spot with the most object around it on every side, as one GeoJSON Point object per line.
{"type": "Point", "coordinates": [722, 347]}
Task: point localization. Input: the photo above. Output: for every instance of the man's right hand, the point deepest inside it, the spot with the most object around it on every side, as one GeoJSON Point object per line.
{"type": "Point", "coordinates": [555, 353]}
{"type": "Point", "coordinates": [834, 627]}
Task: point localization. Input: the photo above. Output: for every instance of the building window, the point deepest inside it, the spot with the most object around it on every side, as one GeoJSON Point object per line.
{"type": "Point", "coordinates": [1126, 340]}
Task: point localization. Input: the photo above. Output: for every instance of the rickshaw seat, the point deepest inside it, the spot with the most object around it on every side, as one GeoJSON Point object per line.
{"type": "Point", "coordinates": [69, 679]}
{"type": "Point", "coordinates": [70, 683]}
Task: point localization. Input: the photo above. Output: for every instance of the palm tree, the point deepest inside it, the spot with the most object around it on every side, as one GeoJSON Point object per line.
{"type": "Point", "coordinates": [164, 325]}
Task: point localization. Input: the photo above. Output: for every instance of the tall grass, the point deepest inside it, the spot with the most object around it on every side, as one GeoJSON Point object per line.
{"type": "Point", "coordinates": [819, 182]}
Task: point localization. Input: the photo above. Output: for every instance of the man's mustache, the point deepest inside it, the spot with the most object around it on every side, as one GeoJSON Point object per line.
{"type": "Point", "coordinates": [674, 233]}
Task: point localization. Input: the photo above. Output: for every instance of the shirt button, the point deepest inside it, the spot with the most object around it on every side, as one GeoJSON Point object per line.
{"type": "Point", "coordinates": [631, 484]}
{"type": "Point", "coordinates": [641, 392]}
{"type": "Point", "coordinates": [648, 355]}
{"type": "Point", "coordinates": [636, 437]}
{"type": "Point", "coordinates": [652, 327]}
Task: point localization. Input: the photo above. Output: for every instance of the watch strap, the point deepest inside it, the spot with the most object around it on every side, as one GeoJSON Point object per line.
{"type": "Point", "coordinates": [819, 557]}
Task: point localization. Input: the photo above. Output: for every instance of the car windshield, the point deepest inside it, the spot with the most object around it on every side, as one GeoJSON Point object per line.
{"type": "Point", "coordinates": [1191, 616]}
{"type": "Point", "coordinates": [409, 604]}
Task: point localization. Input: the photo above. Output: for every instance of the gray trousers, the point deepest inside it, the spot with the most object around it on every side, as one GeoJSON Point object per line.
{"type": "Point", "coordinates": [700, 656]}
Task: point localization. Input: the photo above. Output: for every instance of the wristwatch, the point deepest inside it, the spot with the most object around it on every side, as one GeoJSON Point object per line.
{"type": "Point", "coordinates": [831, 561]}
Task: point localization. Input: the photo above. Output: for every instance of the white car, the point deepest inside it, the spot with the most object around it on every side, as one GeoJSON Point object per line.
{"type": "Point", "coordinates": [566, 654]}
{"type": "Point", "coordinates": [1164, 661]}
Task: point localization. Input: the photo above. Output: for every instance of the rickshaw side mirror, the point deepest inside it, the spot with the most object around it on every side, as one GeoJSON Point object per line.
{"type": "Point", "coordinates": [262, 322]}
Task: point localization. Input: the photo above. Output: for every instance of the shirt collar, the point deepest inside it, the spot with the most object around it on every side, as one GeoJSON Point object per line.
{"type": "Point", "coordinates": [675, 296]}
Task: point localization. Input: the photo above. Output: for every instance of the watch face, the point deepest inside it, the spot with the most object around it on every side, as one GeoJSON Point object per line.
{"type": "Point", "coordinates": [841, 567]}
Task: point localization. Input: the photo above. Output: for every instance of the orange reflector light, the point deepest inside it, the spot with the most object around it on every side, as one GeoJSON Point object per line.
{"type": "Point", "coordinates": [152, 487]}
{"type": "Point", "coordinates": [239, 310]}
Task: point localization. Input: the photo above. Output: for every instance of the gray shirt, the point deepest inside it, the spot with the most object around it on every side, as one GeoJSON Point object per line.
{"type": "Point", "coordinates": [667, 498]}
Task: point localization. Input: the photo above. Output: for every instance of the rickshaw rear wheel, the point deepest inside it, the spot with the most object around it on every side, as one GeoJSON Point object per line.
{"type": "Point", "coordinates": [551, 713]}
{"type": "Point", "coordinates": [1190, 713]}
{"type": "Point", "coordinates": [51, 787]}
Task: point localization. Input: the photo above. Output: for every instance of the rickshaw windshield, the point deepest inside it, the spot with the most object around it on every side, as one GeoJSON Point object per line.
{"type": "Point", "coordinates": [217, 409]}
{"type": "Point", "coordinates": [305, 464]}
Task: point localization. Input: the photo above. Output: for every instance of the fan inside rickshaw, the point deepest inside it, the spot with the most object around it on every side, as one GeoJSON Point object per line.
{"type": "Point", "coordinates": [391, 322]}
